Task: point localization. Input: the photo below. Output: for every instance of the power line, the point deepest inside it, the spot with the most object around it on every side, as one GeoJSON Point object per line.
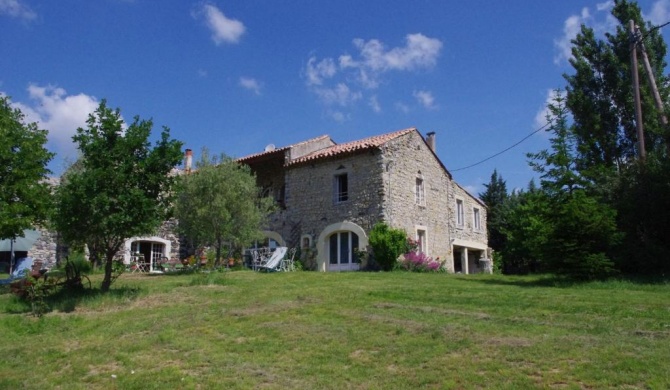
{"type": "Point", "coordinates": [639, 38]}
{"type": "Point", "coordinates": [546, 124]}
{"type": "Point", "coordinates": [503, 151]}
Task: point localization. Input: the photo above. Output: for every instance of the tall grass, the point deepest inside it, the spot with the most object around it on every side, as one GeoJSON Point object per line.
{"type": "Point", "coordinates": [343, 330]}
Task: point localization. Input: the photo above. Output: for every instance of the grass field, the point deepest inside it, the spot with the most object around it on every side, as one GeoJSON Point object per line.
{"type": "Point", "coordinates": [308, 330]}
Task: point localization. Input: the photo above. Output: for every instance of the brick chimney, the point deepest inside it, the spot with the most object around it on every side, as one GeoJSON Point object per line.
{"type": "Point", "coordinates": [188, 160]}
{"type": "Point", "coordinates": [430, 140]}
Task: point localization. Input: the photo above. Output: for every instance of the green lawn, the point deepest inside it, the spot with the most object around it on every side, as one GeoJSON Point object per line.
{"type": "Point", "coordinates": [307, 330]}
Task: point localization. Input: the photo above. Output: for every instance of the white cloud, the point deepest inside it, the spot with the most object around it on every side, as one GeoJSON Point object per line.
{"type": "Point", "coordinates": [472, 190]}
{"type": "Point", "coordinates": [59, 113]}
{"type": "Point", "coordinates": [605, 6]}
{"type": "Point", "coordinates": [402, 107]}
{"type": "Point", "coordinates": [251, 84]}
{"type": "Point", "coordinates": [340, 95]}
{"type": "Point", "coordinates": [17, 9]}
{"type": "Point", "coordinates": [543, 112]}
{"type": "Point", "coordinates": [338, 116]}
{"type": "Point", "coordinates": [425, 98]}
{"type": "Point", "coordinates": [364, 69]}
{"type": "Point", "coordinates": [571, 28]}
{"type": "Point", "coordinates": [601, 22]}
{"type": "Point", "coordinates": [541, 116]}
{"type": "Point", "coordinates": [317, 72]}
{"type": "Point", "coordinates": [660, 12]}
{"type": "Point", "coordinates": [224, 30]}
{"type": "Point", "coordinates": [374, 104]}
{"type": "Point", "coordinates": [419, 52]}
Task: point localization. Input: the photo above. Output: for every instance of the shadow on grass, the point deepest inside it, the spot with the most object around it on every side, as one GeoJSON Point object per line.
{"type": "Point", "coordinates": [526, 281]}
{"type": "Point", "coordinates": [67, 300]}
{"type": "Point", "coordinates": [560, 281]}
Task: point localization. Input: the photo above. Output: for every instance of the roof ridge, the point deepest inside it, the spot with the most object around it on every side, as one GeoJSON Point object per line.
{"type": "Point", "coordinates": [283, 148]}
{"type": "Point", "coordinates": [351, 146]}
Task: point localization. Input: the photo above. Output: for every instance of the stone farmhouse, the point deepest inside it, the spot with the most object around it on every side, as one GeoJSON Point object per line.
{"type": "Point", "coordinates": [330, 196]}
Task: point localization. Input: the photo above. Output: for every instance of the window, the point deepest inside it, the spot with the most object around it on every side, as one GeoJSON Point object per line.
{"type": "Point", "coordinates": [341, 188]}
{"type": "Point", "coordinates": [476, 219]}
{"type": "Point", "coordinates": [459, 213]}
{"type": "Point", "coordinates": [419, 193]}
{"type": "Point", "coordinates": [148, 251]}
{"type": "Point", "coordinates": [421, 240]}
{"type": "Point", "coordinates": [341, 248]}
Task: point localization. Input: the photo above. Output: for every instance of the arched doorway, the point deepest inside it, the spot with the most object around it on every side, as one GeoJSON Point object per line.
{"type": "Point", "coordinates": [153, 249]}
{"type": "Point", "coordinates": [336, 247]}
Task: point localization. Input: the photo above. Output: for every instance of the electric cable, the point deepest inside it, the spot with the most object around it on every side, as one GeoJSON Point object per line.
{"type": "Point", "coordinates": [503, 151]}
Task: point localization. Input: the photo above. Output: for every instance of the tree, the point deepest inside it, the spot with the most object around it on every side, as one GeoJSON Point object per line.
{"type": "Point", "coordinates": [600, 100]}
{"type": "Point", "coordinates": [642, 199]}
{"type": "Point", "coordinates": [121, 188]}
{"type": "Point", "coordinates": [24, 193]}
{"type": "Point", "coordinates": [219, 204]}
{"type": "Point", "coordinates": [599, 93]}
{"type": "Point", "coordinates": [582, 229]}
{"type": "Point", "coordinates": [494, 197]}
{"type": "Point", "coordinates": [558, 167]}
{"type": "Point", "coordinates": [523, 224]}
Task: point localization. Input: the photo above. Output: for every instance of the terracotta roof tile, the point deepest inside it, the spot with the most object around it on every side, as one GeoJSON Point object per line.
{"type": "Point", "coordinates": [363, 144]}
{"type": "Point", "coordinates": [277, 150]}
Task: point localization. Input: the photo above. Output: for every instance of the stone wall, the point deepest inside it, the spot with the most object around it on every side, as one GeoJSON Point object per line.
{"type": "Point", "coordinates": [408, 158]}
{"type": "Point", "coordinates": [46, 248]}
{"type": "Point", "coordinates": [50, 251]}
{"type": "Point", "coordinates": [168, 231]}
{"type": "Point", "coordinates": [382, 187]}
{"type": "Point", "coordinates": [310, 201]}
{"type": "Point", "coordinates": [468, 232]}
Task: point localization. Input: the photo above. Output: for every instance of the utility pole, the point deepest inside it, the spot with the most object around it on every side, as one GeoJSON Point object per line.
{"type": "Point", "coordinates": [636, 92]}
{"type": "Point", "coordinates": [652, 85]}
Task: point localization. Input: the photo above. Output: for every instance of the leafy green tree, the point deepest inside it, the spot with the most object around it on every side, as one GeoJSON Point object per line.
{"type": "Point", "coordinates": [599, 93]}
{"type": "Point", "coordinates": [219, 204]}
{"type": "Point", "coordinates": [387, 245]}
{"type": "Point", "coordinates": [600, 100]}
{"type": "Point", "coordinates": [642, 199]}
{"type": "Point", "coordinates": [24, 192]}
{"type": "Point", "coordinates": [558, 167]}
{"type": "Point", "coordinates": [494, 197]}
{"type": "Point", "coordinates": [582, 229]}
{"type": "Point", "coordinates": [524, 226]}
{"type": "Point", "coordinates": [121, 187]}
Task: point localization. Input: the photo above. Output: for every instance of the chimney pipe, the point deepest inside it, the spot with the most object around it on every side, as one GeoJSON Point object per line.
{"type": "Point", "coordinates": [430, 140]}
{"type": "Point", "coordinates": [188, 160]}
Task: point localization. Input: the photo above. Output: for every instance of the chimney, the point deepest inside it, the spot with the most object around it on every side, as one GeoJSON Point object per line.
{"type": "Point", "coordinates": [430, 140]}
{"type": "Point", "coordinates": [188, 160]}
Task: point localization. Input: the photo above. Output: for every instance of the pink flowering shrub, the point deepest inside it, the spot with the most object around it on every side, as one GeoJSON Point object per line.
{"type": "Point", "coordinates": [419, 262]}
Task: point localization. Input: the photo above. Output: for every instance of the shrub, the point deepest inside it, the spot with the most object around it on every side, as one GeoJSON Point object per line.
{"type": "Point", "coordinates": [78, 260]}
{"type": "Point", "coordinates": [419, 262]}
{"type": "Point", "coordinates": [387, 245]}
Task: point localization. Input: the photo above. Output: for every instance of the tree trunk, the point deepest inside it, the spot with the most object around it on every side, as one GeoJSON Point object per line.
{"type": "Point", "coordinates": [107, 281]}
{"type": "Point", "coordinates": [219, 244]}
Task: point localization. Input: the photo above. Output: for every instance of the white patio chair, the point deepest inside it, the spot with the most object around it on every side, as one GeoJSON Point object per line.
{"type": "Point", "coordinates": [274, 262]}
{"type": "Point", "coordinates": [287, 264]}
{"type": "Point", "coordinates": [259, 257]}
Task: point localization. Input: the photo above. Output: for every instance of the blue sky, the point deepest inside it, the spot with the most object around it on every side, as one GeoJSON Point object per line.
{"type": "Point", "coordinates": [235, 76]}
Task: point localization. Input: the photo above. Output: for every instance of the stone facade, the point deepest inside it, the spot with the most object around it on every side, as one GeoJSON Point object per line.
{"type": "Point", "coordinates": [396, 178]}
{"type": "Point", "coordinates": [164, 243]}
{"type": "Point", "coordinates": [331, 195]}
